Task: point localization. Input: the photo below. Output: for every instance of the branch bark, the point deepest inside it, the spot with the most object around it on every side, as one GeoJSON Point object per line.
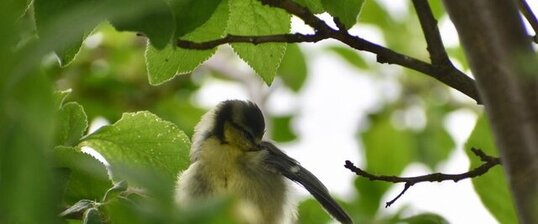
{"type": "Point", "coordinates": [502, 59]}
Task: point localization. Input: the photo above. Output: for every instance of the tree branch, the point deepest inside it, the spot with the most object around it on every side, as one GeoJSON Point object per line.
{"type": "Point", "coordinates": [428, 23]}
{"type": "Point", "coordinates": [531, 18]}
{"type": "Point", "coordinates": [446, 74]}
{"type": "Point", "coordinates": [230, 38]}
{"type": "Point", "coordinates": [489, 162]}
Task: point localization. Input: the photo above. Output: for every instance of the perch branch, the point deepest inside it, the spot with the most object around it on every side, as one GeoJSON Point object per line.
{"type": "Point", "coordinates": [488, 163]}
{"type": "Point", "coordinates": [451, 77]}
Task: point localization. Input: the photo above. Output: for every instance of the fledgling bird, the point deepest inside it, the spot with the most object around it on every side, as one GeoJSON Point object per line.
{"type": "Point", "coordinates": [229, 158]}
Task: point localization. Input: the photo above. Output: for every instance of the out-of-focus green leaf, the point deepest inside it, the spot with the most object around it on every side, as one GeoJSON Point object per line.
{"type": "Point", "coordinates": [282, 129]}
{"type": "Point", "coordinates": [216, 210]}
{"type": "Point", "coordinates": [314, 6]}
{"type": "Point", "coordinates": [20, 7]}
{"type": "Point", "coordinates": [425, 218]}
{"type": "Point", "coordinates": [164, 64]}
{"type": "Point", "coordinates": [92, 216]}
{"type": "Point", "coordinates": [144, 210]}
{"type": "Point", "coordinates": [311, 212]}
{"type": "Point", "coordinates": [388, 150]}
{"type": "Point", "coordinates": [180, 111]}
{"type": "Point", "coordinates": [190, 14]}
{"type": "Point", "coordinates": [47, 13]}
{"type": "Point", "coordinates": [293, 70]}
{"type": "Point", "coordinates": [434, 145]}
{"type": "Point", "coordinates": [345, 10]}
{"type": "Point", "coordinates": [492, 186]}
{"type": "Point", "coordinates": [87, 179]}
{"type": "Point", "coordinates": [369, 198]}
{"type": "Point", "coordinates": [156, 22]}
{"type": "Point", "coordinates": [437, 9]}
{"type": "Point", "coordinates": [142, 141]}
{"type": "Point", "coordinates": [350, 55]}
{"type": "Point", "coordinates": [27, 115]}
{"type": "Point", "coordinates": [373, 13]}
{"type": "Point", "coordinates": [250, 17]}
{"type": "Point", "coordinates": [72, 123]}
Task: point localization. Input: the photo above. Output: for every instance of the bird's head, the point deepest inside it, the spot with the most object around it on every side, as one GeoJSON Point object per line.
{"type": "Point", "coordinates": [234, 122]}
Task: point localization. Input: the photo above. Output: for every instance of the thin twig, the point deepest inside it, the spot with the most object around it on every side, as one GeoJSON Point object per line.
{"type": "Point", "coordinates": [531, 18]}
{"type": "Point", "coordinates": [488, 163]}
{"type": "Point", "coordinates": [428, 24]}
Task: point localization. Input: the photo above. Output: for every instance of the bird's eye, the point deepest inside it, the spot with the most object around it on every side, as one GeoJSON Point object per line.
{"type": "Point", "coordinates": [246, 134]}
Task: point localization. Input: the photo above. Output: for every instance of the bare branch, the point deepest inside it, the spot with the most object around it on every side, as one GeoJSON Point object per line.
{"type": "Point", "coordinates": [230, 38]}
{"type": "Point", "coordinates": [489, 162]}
{"type": "Point", "coordinates": [531, 18]}
{"type": "Point", "coordinates": [428, 23]}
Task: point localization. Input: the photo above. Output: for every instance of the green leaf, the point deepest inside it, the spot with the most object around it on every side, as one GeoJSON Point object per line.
{"type": "Point", "coordinates": [387, 157]}
{"type": "Point", "coordinates": [370, 195]}
{"type": "Point", "coordinates": [492, 186]}
{"type": "Point", "coordinates": [282, 129]}
{"type": "Point", "coordinates": [250, 17]}
{"type": "Point", "coordinates": [190, 14]}
{"type": "Point", "coordinates": [47, 13]}
{"type": "Point", "coordinates": [383, 157]}
{"type": "Point", "coordinates": [164, 64]}
{"type": "Point", "coordinates": [92, 216]}
{"type": "Point", "coordinates": [72, 123]}
{"type": "Point", "coordinates": [142, 141]}
{"type": "Point", "coordinates": [350, 55]}
{"type": "Point", "coordinates": [78, 207]}
{"type": "Point", "coordinates": [180, 111]}
{"type": "Point", "coordinates": [434, 145]}
{"type": "Point", "coordinates": [345, 10]}
{"type": "Point", "coordinates": [60, 97]}
{"type": "Point", "coordinates": [373, 13]}
{"type": "Point", "coordinates": [156, 22]}
{"type": "Point", "coordinates": [115, 190]}
{"type": "Point", "coordinates": [314, 6]}
{"type": "Point", "coordinates": [311, 212]}
{"type": "Point", "coordinates": [293, 68]}
{"type": "Point", "coordinates": [425, 218]}
{"type": "Point", "coordinates": [87, 179]}
{"type": "Point", "coordinates": [27, 116]}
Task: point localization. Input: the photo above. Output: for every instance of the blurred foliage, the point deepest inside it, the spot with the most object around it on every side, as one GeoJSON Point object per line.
{"type": "Point", "coordinates": [64, 64]}
{"type": "Point", "coordinates": [493, 187]}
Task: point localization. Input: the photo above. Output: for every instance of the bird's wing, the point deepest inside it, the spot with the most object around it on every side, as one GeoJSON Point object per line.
{"type": "Point", "coordinates": [290, 168]}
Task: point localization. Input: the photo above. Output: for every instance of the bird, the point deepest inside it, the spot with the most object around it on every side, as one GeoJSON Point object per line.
{"type": "Point", "coordinates": [230, 158]}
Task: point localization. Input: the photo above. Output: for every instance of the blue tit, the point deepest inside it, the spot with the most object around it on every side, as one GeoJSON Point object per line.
{"type": "Point", "coordinates": [229, 158]}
